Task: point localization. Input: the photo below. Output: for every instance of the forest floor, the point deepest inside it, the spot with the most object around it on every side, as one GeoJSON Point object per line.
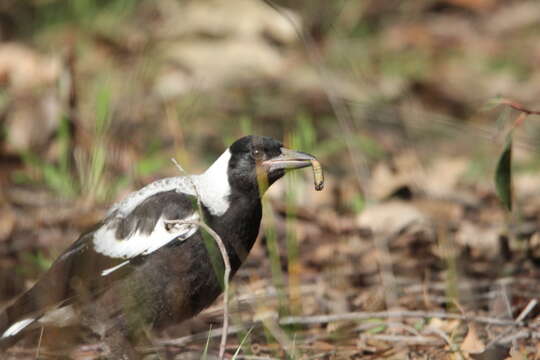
{"type": "Point", "coordinates": [407, 253]}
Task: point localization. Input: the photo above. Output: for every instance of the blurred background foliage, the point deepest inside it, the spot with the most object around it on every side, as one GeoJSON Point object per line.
{"type": "Point", "coordinates": [97, 95]}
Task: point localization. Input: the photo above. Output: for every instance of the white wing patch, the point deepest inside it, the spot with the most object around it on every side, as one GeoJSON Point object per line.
{"type": "Point", "coordinates": [182, 184]}
{"type": "Point", "coordinates": [106, 243]}
{"type": "Point", "coordinates": [213, 189]}
{"type": "Point", "coordinates": [16, 328]}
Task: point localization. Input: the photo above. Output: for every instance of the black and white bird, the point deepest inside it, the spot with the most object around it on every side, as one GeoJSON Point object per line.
{"type": "Point", "coordinates": [142, 267]}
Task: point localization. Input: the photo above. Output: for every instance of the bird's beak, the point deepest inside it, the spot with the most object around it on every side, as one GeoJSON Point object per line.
{"type": "Point", "coordinates": [289, 159]}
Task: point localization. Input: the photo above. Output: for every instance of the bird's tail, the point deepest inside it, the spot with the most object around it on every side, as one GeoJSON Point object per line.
{"type": "Point", "coordinates": [7, 335]}
{"type": "Point", "coordinates": [15, 320]}
{"type": "Point", "coordinates": [4, 324]}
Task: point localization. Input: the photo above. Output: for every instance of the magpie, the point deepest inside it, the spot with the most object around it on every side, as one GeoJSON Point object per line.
{"type": "Point", "coordinates": [148, 263]}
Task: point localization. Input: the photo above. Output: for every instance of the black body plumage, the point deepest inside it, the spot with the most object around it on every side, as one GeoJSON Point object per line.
{"type": "Point", "coordinates": [135, 271]}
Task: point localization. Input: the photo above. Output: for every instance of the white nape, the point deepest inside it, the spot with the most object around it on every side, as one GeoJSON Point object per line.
{"type": "Point", "coordinates": [106, 243]}
{"type": "Point", "coordinates": [213, 185]}
{"type": "Point", "coordinates": [16, 328]}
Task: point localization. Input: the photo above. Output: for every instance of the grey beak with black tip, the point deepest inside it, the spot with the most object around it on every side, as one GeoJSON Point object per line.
{"type": "Point", "coordinates": [289, 159]}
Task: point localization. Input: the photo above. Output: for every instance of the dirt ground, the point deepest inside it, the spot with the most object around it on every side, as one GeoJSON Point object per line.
{"type": "Point", "coordinates": [408, 253]}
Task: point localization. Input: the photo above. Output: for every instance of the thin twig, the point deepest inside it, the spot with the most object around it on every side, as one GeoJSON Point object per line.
{"type": "Point", "coordinates": [179, 167]}
{"type": "Point", "coordinates": [410, 340]}
{"type": "Point", "coordinates": [522, 334]}
{"type": "Point", "coordinates": [530, 306]}
{"type": "Point", "coordinates": [182, 341]}
{"type": "Point", "coordinates": [224, 255]}
{"type": "Point", "coordinates": [527, 310]}
{"type": "Point", "coordinates": [226, 276]}
{"type": "Point", "coordinates": [440, 333]}
{"type": "Point", "coordinates": [519, 107]}
{"type": "Point", "coordinates": [506, 299]}
{"type": "Point", "coordinates": [39, 342]}
{"type": "Point", "coordinates": [523, 112]}
{"type": "Point", "coordinates": [318, 319]}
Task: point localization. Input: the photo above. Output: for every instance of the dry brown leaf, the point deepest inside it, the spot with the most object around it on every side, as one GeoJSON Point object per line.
{"type": "Point", "coordinates": [472, 343]}
{"type": "Point", "coordinates": [392, 217]}
{"type": "Point", "coordinates": [514, 16]}
{"type": "Point", "coordinates": [528, 185]}
{"type": "Point", "coordinates": [7, 222]}
{"type": "Point", "coordinates": [447, 326]}
{"type": "Point", "coordinates": [440, 210]}
{"type": "Point", "coordinates": [515, 354]}
{"type": "Point", "coordinates": [483, 241]}
{"type": "Point", "coordinates": [323, 346]}
{"type": "Point", "coordinates": [402, 35]}
{"type": "Point", "coordinates": [443, 176]}
{"type": "Point", "coordinates": [23, 68]}
{"type": "Point", "coordinates": [476, 5]}
{"type": "Point", "coordinates": [386, 179]}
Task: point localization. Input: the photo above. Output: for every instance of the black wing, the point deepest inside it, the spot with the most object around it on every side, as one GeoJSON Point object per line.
{"type": "Point", "coordinates": [83, 272]}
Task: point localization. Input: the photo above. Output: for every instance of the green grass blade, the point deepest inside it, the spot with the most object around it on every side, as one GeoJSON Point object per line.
{"type": "Point", "coordinates": [204, 355]}
{"type": "Point", "coordinates": [242, 343]}
{"type": "Point", "coordinates": [503, 175]}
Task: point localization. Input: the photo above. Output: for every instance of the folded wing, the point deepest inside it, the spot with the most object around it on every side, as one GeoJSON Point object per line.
{"type": "Point", "coordinates": [106, 254]}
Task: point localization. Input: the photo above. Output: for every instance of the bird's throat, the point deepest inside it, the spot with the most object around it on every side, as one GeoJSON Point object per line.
{"type": "Point", "coordinates": [238, 228]}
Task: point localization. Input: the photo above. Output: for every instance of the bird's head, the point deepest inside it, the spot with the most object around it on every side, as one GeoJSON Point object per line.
{"type": "Point", "coordinates": [256, 162]}
{"type": "Point", "coordinates": [248, 167]}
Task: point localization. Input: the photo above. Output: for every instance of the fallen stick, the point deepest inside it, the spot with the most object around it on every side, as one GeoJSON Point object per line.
{"type": "Point", "coordinates": [403, 339]}
{"type": "Point", "coordinates": [318, 319]}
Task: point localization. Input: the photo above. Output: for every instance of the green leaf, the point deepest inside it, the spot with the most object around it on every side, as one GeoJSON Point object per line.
{"type": "Point", "coordinates": [503, 175]}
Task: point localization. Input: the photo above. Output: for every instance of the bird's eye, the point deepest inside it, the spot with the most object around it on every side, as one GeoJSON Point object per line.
{"type": "Point", "coordinates": [257, 154]}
